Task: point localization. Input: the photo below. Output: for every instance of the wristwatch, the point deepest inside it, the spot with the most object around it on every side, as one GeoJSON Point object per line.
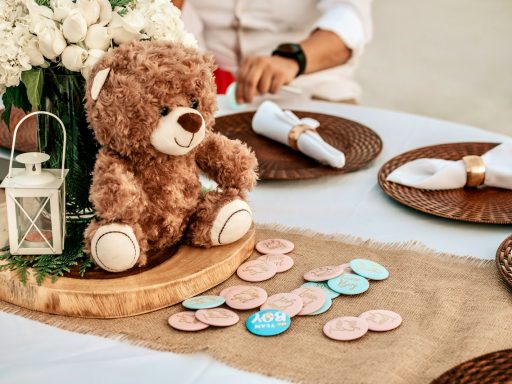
{"type": "Point", "coordinates": [294, 52]}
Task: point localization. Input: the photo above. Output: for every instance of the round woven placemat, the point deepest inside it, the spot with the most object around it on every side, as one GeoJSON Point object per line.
{"type": "Point", "coordinates": [479, 205]}
{"type": "Point", "coordinates": [493, 368]}
{"type": "Point", "coordinates": [504, 260]}
{"type": "Point", "coordinates": [279, 162]}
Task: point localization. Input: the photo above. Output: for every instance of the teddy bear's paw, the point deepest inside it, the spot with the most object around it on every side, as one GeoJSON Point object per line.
{"type": "Point", "coordinates": [115, 248]}
{"type": "Point", "coordinates": [232, 222]}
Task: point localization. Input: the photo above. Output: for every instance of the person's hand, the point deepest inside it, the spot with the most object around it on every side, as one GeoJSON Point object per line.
{"type": "Point", "coordinates": [262, 74]}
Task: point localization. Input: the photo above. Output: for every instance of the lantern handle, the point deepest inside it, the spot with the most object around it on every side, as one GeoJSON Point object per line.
{"type": "Point", "coordinates": [16, 132]}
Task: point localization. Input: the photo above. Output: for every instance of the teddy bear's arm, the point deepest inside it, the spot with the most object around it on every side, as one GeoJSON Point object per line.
{"type": "Point", "coordinates": [115, 192]}
{"type": "Point", "coordinates": [229, 162]}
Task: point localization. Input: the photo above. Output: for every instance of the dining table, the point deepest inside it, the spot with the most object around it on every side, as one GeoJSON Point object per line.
{"type": "Point", "coordinates": [350, 204]}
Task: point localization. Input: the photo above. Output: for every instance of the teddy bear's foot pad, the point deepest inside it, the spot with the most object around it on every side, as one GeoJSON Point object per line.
{"type": "Point", "coordinates": [114, 247]}
{"type": "Point", "coordinates": [231, 223]}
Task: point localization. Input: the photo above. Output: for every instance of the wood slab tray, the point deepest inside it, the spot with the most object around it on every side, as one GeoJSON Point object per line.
{"type": "Point", "coordinates": [185, 272]}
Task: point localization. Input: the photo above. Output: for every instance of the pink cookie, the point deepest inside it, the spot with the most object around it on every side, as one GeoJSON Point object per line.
{"type": "Point", "coordinates": [256, 270]}
{"type": "Point", "coordinates": [225, 291]}
{"type": "Point", "coordinates": [219, 317]}
{"type": "Point", "coordinates": [273, 246]}
{"type": "Point", "coordinates": [282, 262]}
{"type": "Point", "coordinates": [313, 299]}
{"type": "Point", "coordinates": [288, 303]}
{"type": "Point", "coordinates": [346, 328]}
{"type": "Point", "coordinates": [381, 320]}
{"type": "Point", "coordinates": [186, 321]}
{"type": "Point", "coordinates": [245, 297]}
{"type": "Point", "coordinates": [324, 273]}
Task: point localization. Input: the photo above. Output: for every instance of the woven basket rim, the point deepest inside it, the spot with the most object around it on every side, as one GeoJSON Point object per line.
{"type": "Point", "coordinates": [500, 265]}
{"type": "Point", "coordinates": [462, 372]}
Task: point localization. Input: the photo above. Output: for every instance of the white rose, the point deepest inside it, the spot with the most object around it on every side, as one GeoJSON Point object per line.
{"type": "Point", "coordinates": [38, 15]}
{"type": "Point", "coordinates": [50, 40]}
{"type": "Point", "coordinates": [105, 12]}
{"type": "Point", "coordinates": [34, 55]}
{"type": "Point", "coordinates": [94, 56]}
{"type": "Point", "coordinates": [90, 10]}
{"type": "Point", "coordinates": [98, 37]}
{"type": "Point", "coordinates": [127, 28]}
{"type": "Point", "coordinates": [74, 57]}
{"type": "Point", "coordinates": [74, 27]}
{"type": "Point", "coordinates": [61, 8]}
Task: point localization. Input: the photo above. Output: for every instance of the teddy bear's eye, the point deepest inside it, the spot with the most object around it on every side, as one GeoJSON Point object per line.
{"type": "Point", "coordinates": [164, 111]}
{"type": "Point", "coordinates": [194, 104]}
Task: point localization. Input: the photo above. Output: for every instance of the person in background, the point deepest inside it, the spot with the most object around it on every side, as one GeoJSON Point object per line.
{"type": "Point", "coordinates": [312, 45]}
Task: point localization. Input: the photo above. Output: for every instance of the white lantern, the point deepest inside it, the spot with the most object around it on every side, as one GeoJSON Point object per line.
{"type": "Point", "coordinates": [36, 206]}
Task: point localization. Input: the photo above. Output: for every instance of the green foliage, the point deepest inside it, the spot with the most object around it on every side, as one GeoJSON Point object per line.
{"type": "Point", "coordinates": [45, 3]}
{"type": "Point", "coordinates": [120, 3]}
{"type": "Point", "coordinates": [17, 97]}
{"type": "Point", "coordinates": [63, 94]}
{"type": "Point", "coordinates": [33, 80]}
{"type": "Point", "coordinates": [52, 266]}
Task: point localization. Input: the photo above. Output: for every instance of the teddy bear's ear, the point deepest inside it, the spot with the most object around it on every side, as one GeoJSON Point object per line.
{"type": "Point", "coordinates": [98, 82]}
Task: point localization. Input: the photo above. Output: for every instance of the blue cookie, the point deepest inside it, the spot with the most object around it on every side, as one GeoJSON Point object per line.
{"type": "Point", "coordinates": [349, 284]}
{"type": "Point", "coordinates": [369, 269]}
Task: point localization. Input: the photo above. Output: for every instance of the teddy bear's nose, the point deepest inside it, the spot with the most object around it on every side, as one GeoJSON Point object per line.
{"type": "Point", "coordinates": [190, 122]}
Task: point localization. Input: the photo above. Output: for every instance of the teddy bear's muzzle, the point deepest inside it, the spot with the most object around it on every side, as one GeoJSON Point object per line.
{"type": "Point", "coordinates": [190, 122]}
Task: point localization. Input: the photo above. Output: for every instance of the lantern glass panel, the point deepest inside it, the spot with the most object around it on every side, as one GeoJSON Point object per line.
{"type": "Point", "coordinates": [32, 212]}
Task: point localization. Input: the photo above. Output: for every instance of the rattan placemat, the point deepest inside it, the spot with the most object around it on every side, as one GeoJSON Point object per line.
{"type": "Point", "coordinates": [493, 368]}
{"type": "Point", "coordinates": [480, 205]}
{"type": "Point", "coordinates": [504, 260]}
{"type": "Point", "coordinates": [276, 161]}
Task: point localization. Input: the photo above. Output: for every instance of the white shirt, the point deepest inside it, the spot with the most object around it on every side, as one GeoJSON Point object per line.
{"type": "Point", "coordinates": [233, 29]}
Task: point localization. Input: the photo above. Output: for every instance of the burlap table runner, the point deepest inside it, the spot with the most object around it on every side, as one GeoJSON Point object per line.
{"type": "Point", "coordinates": [453, 309]}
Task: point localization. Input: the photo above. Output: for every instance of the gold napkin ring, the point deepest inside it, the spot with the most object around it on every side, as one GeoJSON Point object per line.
{"type": "Point", "coordinates": [475, 170]}
{"type": "Point", "coordinates": [295, 133]}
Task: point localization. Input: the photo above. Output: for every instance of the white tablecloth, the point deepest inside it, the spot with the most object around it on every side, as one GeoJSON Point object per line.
{"type": "Point", "coordinates": [350, 204]}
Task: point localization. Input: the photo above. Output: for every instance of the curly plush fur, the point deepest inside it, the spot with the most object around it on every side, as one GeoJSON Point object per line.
{"type": "Point", "coordinates": [157, 194]}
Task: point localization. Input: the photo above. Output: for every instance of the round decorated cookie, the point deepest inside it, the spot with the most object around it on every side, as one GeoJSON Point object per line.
{"type": "Point", "coordinates": [346, 328]}
{"type": "Point", "coordinates": [186, 321]}
{"type": "Point", "coordinates": [273, 246]}
{"type": "Point", "coordinates": [381, 320]}
{"type": "Point", "coordinates": [312, 297]}
{"type": "Point", "coordinates": [349, 284]}
{"type": "Point", "coordinates": [202, 302]}
{"type": "Point", "coordinates": [245, 297]}
{"type": "Point", "coordinates": [256, 270]}
{"type": "Point", "coordinates": [282, 262]}
{"type": "Point", "coordinates": [324, 273]}
{"type": "Point", "coordinates": [289, 303]}
{"type": "Point", "coordinates": [369, 269]}
{"type": "Point", "coordinates": [218, 317]}
{"type": "Point", "coordinates": [324, 286]}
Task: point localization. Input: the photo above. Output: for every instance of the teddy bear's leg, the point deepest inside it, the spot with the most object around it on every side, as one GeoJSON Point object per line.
{"type": "Point", "coordinates": [115, 247]}
{"type": "Point", "coordinates": [221, 218]}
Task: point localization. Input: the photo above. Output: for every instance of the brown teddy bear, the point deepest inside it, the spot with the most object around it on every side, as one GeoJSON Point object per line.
{"type": "Point", "coordinates": [151, 106]}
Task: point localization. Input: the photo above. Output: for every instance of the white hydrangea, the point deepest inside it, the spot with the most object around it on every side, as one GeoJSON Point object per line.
{"type": "Point", "coordinates": [33, 35]}
{"type": "Point", "coordinates": [163, 22]}
{"type": "Point", "coordinates": [15, 43]}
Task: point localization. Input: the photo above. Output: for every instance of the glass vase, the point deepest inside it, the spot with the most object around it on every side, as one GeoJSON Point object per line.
{"type": "Point", "coordinates": [63, 94]}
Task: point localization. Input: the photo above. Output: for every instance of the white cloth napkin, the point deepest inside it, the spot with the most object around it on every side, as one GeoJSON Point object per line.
{"type": "Point", "coordinates": [274, 123]}
{"type": "Point", "coordinates": [447, 174]}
